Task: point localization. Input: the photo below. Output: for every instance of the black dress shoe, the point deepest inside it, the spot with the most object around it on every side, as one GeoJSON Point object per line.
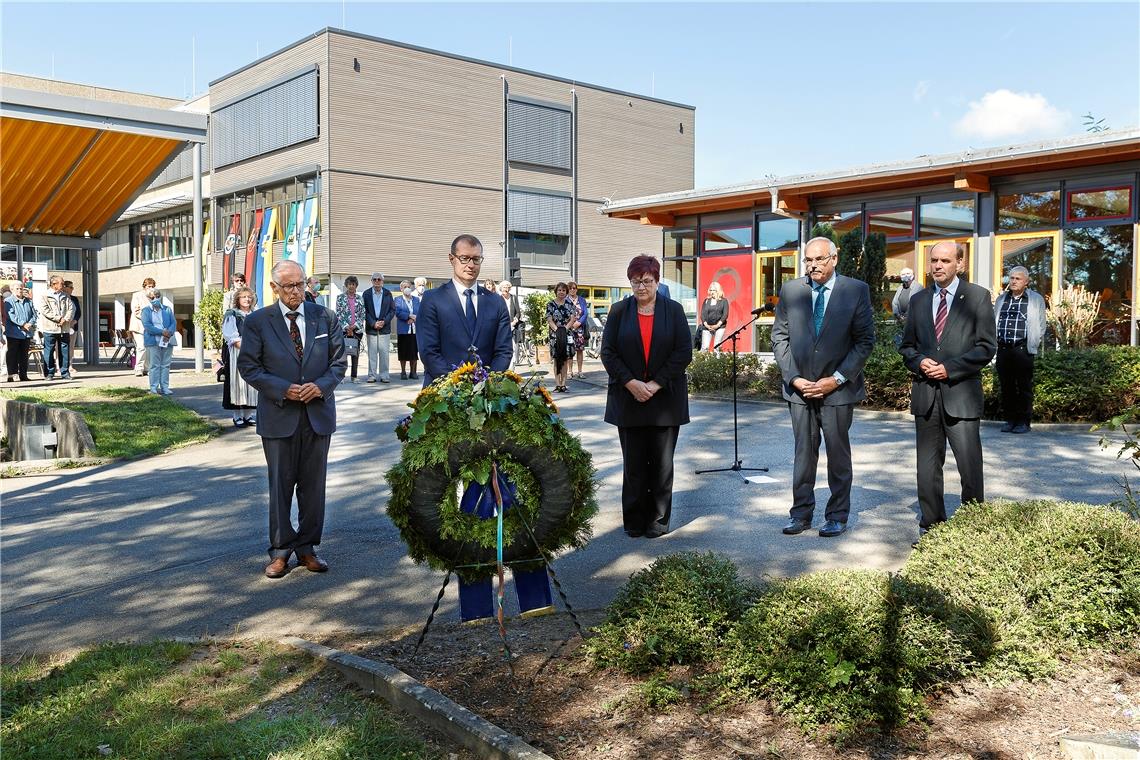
{"type": "Point", "coordinates": [795, 526]}
{"type": "Point", "coordinates": [403, 375]}
{"type": "Point", "coordinates": [656, 532]}
{"type": "Point", "coordinates": [414, 376]}
{"type": "Point", "coordinates": [921, 532]}
{"type": "Point", "coordinates": [1020, 429]}
{"type": "Point", "coordinates": [635, 533]}
{"type": "Point", "coordinates": [832, 528]}
{"type": "Point", "coordinates": [1007, 427]}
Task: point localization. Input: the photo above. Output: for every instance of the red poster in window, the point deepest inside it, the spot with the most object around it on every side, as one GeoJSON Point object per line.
{"type": "Point", "coordinates": [734, 273]}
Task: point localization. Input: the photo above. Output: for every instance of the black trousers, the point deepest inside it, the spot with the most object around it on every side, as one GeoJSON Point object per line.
{"type": "Point", "coordinates": [297, 464]}
{"type": "Point", "coordinates": [811, 423]}
{"type": "Point", "coordinates": [932, 431]}
{"type": "Point", "coordinates": [647, 477]}
{"type": "Point", "coordinates": [18, 357]}
{"type": "Point", "coordinates": [1015, 374]}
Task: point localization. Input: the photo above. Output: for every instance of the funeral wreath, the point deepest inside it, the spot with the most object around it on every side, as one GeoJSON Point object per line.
{"type": "Point", "coordinates": [464, 427]}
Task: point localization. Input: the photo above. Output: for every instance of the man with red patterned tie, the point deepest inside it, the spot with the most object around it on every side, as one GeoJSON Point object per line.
{"type": "Point", "coordinates": [948, 338]}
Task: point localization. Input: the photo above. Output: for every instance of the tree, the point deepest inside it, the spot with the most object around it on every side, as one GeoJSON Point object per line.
{"type": "Point", "coordinates": [825, 230]}
{"type": "Point", "coordinates": [873, 265]}
{"type": "Point", "coordinates": [208, 316]}
{"type": "Point", "coordinates": [850, 252]}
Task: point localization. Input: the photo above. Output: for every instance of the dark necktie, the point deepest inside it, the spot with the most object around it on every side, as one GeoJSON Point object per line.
{"type": "Point", "coordinates": [817, 313]}
{"type": "Point", "coordinates": [295, 334]}
{"type": "Point", "coordinates": [940, 316]}
{"type": "Point", "coordinates": [470, 312]}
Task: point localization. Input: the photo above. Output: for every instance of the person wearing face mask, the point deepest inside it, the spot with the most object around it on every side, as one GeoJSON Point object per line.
{"type": "Point", "coordinates": [158, 335]}
{"type": "Point", "coordinates": [908, 288]}
{"type": "Point", "coordinates": [420, 285]}
{"type": "Point", "coordinates": [407, 306]}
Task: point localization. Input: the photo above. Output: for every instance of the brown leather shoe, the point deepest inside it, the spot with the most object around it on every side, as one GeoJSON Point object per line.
{"type": "Point", "coordinates": [313, 563]}
{"type": "Point", "coordinates": [278, 568]}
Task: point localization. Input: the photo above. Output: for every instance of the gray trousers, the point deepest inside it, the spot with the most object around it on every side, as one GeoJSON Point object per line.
{"type": "Point", "coordinates": [811, 423]}
{"type": "Point", "coordinates": [931, 432]}
{"type": "Point", "coordinates": [297, 464]}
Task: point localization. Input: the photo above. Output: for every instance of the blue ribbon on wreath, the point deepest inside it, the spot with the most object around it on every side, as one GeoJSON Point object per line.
{"type": "Point", "coordinates": [479, 498]}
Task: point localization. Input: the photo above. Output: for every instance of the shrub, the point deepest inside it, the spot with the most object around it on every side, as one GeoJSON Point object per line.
{"type": "Point", "coordinates": [712, 372]}
{"type": "Point", "coordinates": [873, 266]}
{"type": "Point", "coordinates": [845, 652]}
{"type": "Point", "coordinates": [673, 612]}
{"type": "Point", "coordinates": [208, 316]}
{"type": "Point", "coordinates": [1073, 316]}
{"type": "Point", "coordinates": [1064, 383]}
{"type": "Point", "coordinates": [1052, 578]}
{"type": "Point", "coordinates": [886, 378]}
{"type": "Point", "coordinates": [534, 309]}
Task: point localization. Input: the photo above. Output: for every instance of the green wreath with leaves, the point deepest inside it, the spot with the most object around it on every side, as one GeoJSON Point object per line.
{"type": "Point", "coordinates": [461, 427]}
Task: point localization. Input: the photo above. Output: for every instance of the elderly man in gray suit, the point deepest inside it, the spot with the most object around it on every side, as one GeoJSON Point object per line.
{"type": "Point", "coordinates": [292, 351]}
{"type": "Point", "coordinates": [823, 334]}
{"type": "Point", "coordinates": [949, 336]}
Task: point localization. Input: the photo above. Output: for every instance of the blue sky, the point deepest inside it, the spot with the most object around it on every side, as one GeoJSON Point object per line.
{"type": "Point", "coordinates": [780, 88]}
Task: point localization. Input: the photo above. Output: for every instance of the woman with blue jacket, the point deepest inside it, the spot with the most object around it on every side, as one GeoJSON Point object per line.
{"type": "Point", "coordinates": [158, 337]}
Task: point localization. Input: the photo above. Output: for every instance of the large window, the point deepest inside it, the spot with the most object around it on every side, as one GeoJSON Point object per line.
{"type": "Point", "coordinates": [57, 259]}
{"type": "Point", "coordinates": [1035, 252]}
{"type": "Point", "coordinates": [728, 239]}
{"type": "Point", "coordinates": [246, 203]}
{"type": "Point", "coordinates": [778, 234]}
{"type": "Point", "coordinates": [538, 133]}
{"type": "Point", "coordinates": [946, 219]}
{"type": "Point", "coordinates": [536, 249]}
{"type": "Point", "coordinates": [896, 223]}
{"type": "Point", "coordinates": [1100, 260]}
{"type": "Point", "coordinates": [1099, 204]}
{"type": "Point", "coordinates": [842, 222]}
{"type": "Point", "coordinates": [680, 276]}
{"type": "Point", "coordinates": [679, 242]}
{"type": "Point", "coordinates": [1029, 211]}
{"type": "Point", "coordinates": [164, 237]}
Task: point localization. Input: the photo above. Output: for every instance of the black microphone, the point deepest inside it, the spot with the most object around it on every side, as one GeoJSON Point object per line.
{"type": "Point", "coordinates": [761, 309]}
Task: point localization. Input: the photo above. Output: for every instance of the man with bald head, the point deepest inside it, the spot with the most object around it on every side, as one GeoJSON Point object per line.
{"type": "Point", "coordinates": [948, 338]}
{"type": "Point", "coordinates": [292, 351]}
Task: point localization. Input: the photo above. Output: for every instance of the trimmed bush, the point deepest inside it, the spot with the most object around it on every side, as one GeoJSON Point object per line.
{"type": "Point", "coordinates": [1051, 578]}
{"type": "Point", "coordinates": [712, 372]}
{"type": "Point", "coordinates": [885, 377]}
{"type": "Point", "coordinates": [845, 652]}
{"type": "Point", "coordinates": [1064, 383]}
{"type": "Point", "coordinates": [673, 612]}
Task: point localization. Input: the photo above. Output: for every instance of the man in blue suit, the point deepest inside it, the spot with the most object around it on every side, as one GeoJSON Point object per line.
{"type": "Point", "coordinates": [459, 319]}
{"type": "Point", "coordinates": [292, 351]}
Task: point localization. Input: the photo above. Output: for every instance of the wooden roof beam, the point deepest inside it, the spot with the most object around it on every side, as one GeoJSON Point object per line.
{"type": "Point", "coordinates": [977, 183]}
{"type": "Point", "coordinates": [660, 220]}
{"type": "Point", "coordinates": [793, 204]}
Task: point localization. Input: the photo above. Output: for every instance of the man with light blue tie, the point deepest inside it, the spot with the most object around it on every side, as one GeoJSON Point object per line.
{"type": "Point", "coordinates": [823, 333]}
{"type": "Point", "coordinates": [458, 321]}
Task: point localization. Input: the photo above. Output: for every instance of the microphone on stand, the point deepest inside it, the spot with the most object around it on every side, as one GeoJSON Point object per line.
{"type": "Point", "coordinates": [762, 309]}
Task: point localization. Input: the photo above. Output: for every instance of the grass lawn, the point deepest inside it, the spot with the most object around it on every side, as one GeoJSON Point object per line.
{"type": "Point", "coordinates": [174, 700]}
{"type": "Point", "coordinates": [127, 422]}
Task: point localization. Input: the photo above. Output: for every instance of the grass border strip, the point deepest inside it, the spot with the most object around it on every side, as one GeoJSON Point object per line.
{"type": "Point", "coordinates": [427, 705]}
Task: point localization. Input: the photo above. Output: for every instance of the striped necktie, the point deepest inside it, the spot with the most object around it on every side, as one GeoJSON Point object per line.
{"type": "Point", "coordinates": [940, 316]}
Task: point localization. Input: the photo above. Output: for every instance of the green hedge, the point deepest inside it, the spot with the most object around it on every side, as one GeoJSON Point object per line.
{"type": "Point", "coordinates": [1051, 578]}
{"type": "Point", "coordinates": [843, 652]}
{"type": "Point", "coordinates": [1002, 590]}
{"type": "Point", "coordinates": [1064, 380]}
{"type": "Point", "coordinates": [673, 612]}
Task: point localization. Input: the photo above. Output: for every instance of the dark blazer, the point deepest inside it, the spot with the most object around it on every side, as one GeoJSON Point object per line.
{"type": "Point", "coordinates": [843, 344]}
{"type": "Point", "coordinates": [268, 361]}
{"type": "Point", "coordinates": [445, 340]}
{"type": "Point", "coordinates": [670, 352]}
{"type": "Point", "coordinates": [969, 342]}
{"type": "Point", "coordinates": [387, 312]}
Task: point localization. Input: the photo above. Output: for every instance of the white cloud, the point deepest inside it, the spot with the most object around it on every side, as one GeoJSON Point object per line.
{"type": "Point", "coordinates": [921, 89]}
{"type": "Point", "coordinates": [1003, 113]}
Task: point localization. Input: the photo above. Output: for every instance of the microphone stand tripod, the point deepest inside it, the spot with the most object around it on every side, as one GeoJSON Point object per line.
{"type": "Point", "coordinates": [736, 460]}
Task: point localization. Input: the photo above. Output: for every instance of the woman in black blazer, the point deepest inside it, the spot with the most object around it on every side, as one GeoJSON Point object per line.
{"type": "Point", "coordinates": [648, 396]}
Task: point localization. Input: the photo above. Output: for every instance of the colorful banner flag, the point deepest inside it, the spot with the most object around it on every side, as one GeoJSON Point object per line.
{"type": "Point", "coordinates": [265, 255]}
{"type": "Point", "coordinates": [229, 250]}
{"type": "Point", "coordinates": [291, 233]}
{"type": "Point", "coordinates": [305, 236]}
{"type": "Point", "coordinates": [251, 248]}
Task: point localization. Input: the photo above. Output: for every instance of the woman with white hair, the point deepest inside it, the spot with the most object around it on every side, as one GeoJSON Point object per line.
{"type": "Point", "coordinates": [714, 317]}
{"type": "Point", "coordinates": [238, 396]}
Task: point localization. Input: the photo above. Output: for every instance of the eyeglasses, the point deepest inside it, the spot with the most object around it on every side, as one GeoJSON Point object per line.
{"type": "Point", "coordinates": [468, 259]}
{"type": "Point", "coordinates": [649, 283]}
{"type": "Point", "coordinates": [377, 279]}
{"type": "Point", "coordinates": [291, 286]}
{"type": "Point", "coordinates": [817, 259]}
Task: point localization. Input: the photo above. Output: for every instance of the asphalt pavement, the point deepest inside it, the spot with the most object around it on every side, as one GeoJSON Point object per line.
{"type": "Point", "coordinates": [174, 545]}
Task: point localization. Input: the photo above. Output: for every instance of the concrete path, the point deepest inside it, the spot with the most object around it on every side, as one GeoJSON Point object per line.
{"type": "Point", "coordinates": [174, 545]}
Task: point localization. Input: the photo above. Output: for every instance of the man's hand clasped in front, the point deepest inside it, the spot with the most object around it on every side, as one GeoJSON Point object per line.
{"type": "Point", "coordinates": [815, 389]}
{"type": "Point", "coordinates": [303, 393]}
{"type": "Point", "coordinates": [932, 369]}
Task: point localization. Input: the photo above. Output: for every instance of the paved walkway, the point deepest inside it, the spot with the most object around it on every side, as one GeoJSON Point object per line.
{"type": "Point", "coordinates": [174, 545]}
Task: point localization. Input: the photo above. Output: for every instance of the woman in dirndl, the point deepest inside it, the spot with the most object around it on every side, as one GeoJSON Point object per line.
{"type": "Point", "coordinates": [237, 395]}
